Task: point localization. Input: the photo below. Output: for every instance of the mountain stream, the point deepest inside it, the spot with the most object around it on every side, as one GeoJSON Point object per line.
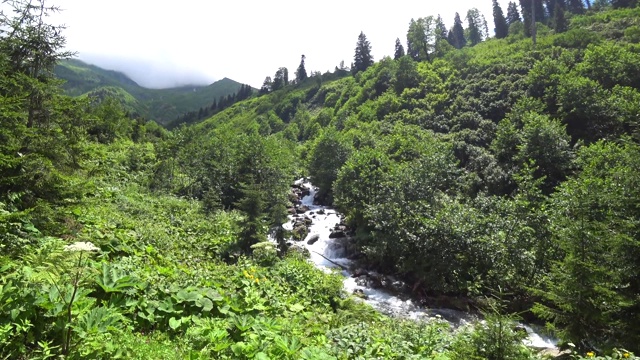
{"type": "Point", "coordinates": [330, 254]}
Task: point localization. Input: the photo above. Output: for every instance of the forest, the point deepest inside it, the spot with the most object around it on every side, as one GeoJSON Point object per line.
{"type": "Point", "coordinates": [501, 168]}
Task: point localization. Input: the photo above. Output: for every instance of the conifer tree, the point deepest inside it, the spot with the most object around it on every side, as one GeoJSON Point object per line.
{"type": "Point", "coordinates": [559, 21]}
{"type": "Point", "coordinates": [266, 86]}
{"type": "Point", "coordinates": [541, 14]}
{"type": "Point", "coordinates": [362, 58]}
{"type": "Point", "coordinates": [301, 72]}
{"type": "Point", "coordinates": [281, 79]}
{"type": "Point", "coordinates": [441, 30]}
{"type": "Point", "coordinates": [421, 38]}
{"type": "Point", "coordinates": [399, 52]}
{"type": "Point", "coordinates": [475, 29]}
{"type": "Point", "coordinates": [251, 204]}
{"type": "Point", "coordinates": [550, 5]}
{"type": "Point", "coordinates": [623, 3]}
{"type": "Point", "coordinates": [502, 29]}
{"type": "Point", "coordinates": [575, 6]}
{"type": "Point", "coordinates": [456, 35]}
{"type": "Point", "coordinates": [513, 15]}
{"type": "Point", "coordinates": [525, 6]}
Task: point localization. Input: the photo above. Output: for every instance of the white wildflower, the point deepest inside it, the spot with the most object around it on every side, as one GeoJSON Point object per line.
{"type": "Point", "coordinates": [81, 246]}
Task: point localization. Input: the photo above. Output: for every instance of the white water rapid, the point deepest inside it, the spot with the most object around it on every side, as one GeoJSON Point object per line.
{"type": "Point", "coordinates": [330, 254]}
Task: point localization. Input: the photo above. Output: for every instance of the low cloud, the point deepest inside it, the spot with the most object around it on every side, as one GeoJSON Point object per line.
{"type": "Point", "coordinates": [148, 73]}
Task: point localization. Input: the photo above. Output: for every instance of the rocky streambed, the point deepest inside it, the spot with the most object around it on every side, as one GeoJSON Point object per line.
{"type": "Point", "coordinates": [321, 232]}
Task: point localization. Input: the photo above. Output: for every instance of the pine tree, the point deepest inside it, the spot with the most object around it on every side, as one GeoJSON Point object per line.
{"type": "Point", "coordinates": [399, 52]}
{"type": "Point", "coordinates": [281, 79]}
{"type": "Point", "coordinates": [421, 38]}
{"type": "Point", "coordinates": [575, 6]}
{"type": "Point", "coordinates": [559, 21]}
{"type": "Point", "coordinates": [253, 227]}
{"type": "Point", "coordinates": [441, 30]}
{"type": "Point", "coordinates": [513, 15]}
{"type": "Point", "coordinates": [266, 86]}
{"type": "Point", "coordinates": [525, 6]}
{"type": "Point", "coordinates": [551, 8]}
{"type": "Point", "coordinates": [362, 58]}
{"type": "Point", "coordinates": [502, 29]}
{"type": "Point", "coordinates": [623, 3]}
{"type": "Point", "coordinates": [456, 35]}
{"type": "Point", "coordinates": [541, 14]}
{"type": "Point", "coordinates": [476, 22]}
{"type": "Point", "coordinates": [301, 72]}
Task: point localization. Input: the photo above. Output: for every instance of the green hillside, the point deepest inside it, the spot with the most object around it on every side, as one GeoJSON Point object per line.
{"type": "Point", "coordinates": [498, 176]}
{"type": "Point", "coordinates": [162, 105]}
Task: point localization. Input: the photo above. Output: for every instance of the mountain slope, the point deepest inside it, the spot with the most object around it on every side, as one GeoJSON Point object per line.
{"type": "Point", "coordinates": [162, 105]}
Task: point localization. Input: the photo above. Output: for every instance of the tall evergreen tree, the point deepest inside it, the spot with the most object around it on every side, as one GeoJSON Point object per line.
{"type": "Point", "coordinates": [550, 5]}
{"type": "Point", "coordinates": [541, 13]}
{"type": "Point", "coordinates": [301, 72]}
{"type": "Point", "coordinates": [421, 38]}
{"type": "Point", "coordinates": [413, 44]}
{"type": "Point", "coordinates": [441, 29]}
{"type": "Point", "coordinates": [266, 86]}
{"type": "Point", "coordinates": [623, 3]}
{"type": "Point", "coordinates": [575, 6]}
{"type": "Point", "coordinates": [253, 225]}
{"type": "Point", "coordinates": [559, 21]}
{"type": "Point", "coordinates": [513, 15]}
{"type": "Point", "coordinates": [501, 29]}
{"type": "Point", "coordinates": [525, 6]}
{"type": "Point", "coordinates": [281, 79]}
{"type": "Point", "coordinates": [442, 45]}
{"type": "Point", "coordinates": [362, 58]}
{"type": "Point", "coordinates": [456, 35]}
{"type": "Point", "coordinates": [399, 52]}
{"type": "Point", "coordinates": [476, 24]}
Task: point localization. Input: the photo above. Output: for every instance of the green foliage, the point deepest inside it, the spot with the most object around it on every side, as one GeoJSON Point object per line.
{"type": "Point", "coordinates": [587, 289]}
{"type": "Point", "coordinates": [497, 166]}
{"type": "Point", "coordinates": [329, 153]}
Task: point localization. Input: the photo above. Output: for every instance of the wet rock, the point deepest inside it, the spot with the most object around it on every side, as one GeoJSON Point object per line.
{"type": "Point", "coordinates": [311, 212]}
{"type": "Point", "coordinates": [362, 280]}
{"type": "Point", "coordinates": [398, 286]}
{"type": "Point", "coordinates": [294, 198]}
{"type": "Point", "coordinates": [555, 353]}
{"type": "Point", "coordinates": [359, 272]}
{"type": "Point", "coordinates": [360, 293]}
{"type": "Point", "coordinates": [295, 248]}
{"type": "Point", "coordinates": [321, 212]}
{"type": "Point", "coordinates": [312, 240]}
{"type": "Point", "coordinates": [302, 209]}
{"type": "Point", "coordinates": [299, 232]}
{"type": "Point", "coordinates": [291, 211]}
{"type": "Point", "coordinates": [337, 234]}
{"type": "Point", "coordinates": [308, 221]}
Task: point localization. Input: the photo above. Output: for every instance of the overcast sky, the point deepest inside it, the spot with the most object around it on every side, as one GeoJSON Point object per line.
{"type": "Point", "coordinates": [163, 44]}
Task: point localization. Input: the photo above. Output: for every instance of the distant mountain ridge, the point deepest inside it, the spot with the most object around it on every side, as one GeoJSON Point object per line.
{"type": "Point", "coordinates": [161, 105]}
